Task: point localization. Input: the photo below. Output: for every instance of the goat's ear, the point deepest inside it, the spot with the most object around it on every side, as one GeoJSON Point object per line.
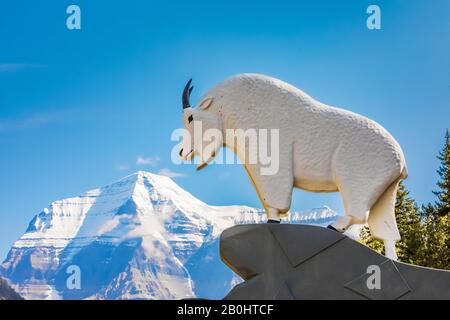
{"type": "Point", "coordinates": [206, 103]}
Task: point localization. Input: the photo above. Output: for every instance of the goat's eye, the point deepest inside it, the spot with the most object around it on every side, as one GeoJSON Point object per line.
{"type": "Point", "coordinates": [190, 118]}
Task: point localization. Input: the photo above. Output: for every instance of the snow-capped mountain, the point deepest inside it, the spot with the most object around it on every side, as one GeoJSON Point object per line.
{"type": "Point", "coordinates": [142, 237]}
{"type": "Point", "coordinates": [6, 292]}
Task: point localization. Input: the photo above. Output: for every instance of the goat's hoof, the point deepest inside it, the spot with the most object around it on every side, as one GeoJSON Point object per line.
{"type": "Point", "coordinates": [333, 228]}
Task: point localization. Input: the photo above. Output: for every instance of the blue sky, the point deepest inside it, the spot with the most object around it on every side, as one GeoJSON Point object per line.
{"type": "Point", "coordinates": [77, 108]}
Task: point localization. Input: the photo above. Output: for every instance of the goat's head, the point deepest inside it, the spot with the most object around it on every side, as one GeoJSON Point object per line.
{"type": "Point", "coordinates": [203, 129]}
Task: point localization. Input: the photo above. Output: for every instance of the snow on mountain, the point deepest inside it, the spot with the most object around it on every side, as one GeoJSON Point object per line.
{"type": "Point", "coordinates": [6, 292]}
{"type": "Point", "coordinates": [142, 237]}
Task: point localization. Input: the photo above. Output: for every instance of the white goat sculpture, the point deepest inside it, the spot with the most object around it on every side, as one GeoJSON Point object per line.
{"type": "Point", "coordinates": [322, 149]}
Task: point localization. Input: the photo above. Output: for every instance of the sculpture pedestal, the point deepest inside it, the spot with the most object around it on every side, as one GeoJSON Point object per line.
{"type": "Point", "coordinates": [297, 262]}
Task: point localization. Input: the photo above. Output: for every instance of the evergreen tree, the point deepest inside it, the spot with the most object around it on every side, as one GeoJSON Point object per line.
{"type": "Point", "coordinates": [368, 240]}
{"type": "Point", "coordinates": [410, 227]}
{"type": "Point", "coordinates": [436, 216]}
{"type": "Point", "coordinates": [442, 205]}
{"type": "Point", "coordinates": [435, 252]}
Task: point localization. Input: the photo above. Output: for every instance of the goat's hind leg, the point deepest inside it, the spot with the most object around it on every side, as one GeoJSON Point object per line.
{"type": "Point", "coordinates": [356, 210]}
{"type": "Point", "coordinates": [382, 222]}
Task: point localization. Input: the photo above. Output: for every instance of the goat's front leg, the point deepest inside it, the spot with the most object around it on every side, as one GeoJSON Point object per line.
{"type": "Point", "coordinates": [273, 215]}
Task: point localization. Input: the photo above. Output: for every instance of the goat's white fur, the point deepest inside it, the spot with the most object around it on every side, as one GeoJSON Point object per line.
{"type": "Point", "coordinates": [322, 149]}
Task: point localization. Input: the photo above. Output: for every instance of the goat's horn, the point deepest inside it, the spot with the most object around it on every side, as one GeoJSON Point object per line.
{"type": "Point", "coordinates": [186, 93]}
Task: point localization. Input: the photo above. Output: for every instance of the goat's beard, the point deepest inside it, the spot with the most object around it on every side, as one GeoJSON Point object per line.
{"type": "Point", "coordinates": [201, 166]}
{"type": "Point", "coordinates": [205, 163]}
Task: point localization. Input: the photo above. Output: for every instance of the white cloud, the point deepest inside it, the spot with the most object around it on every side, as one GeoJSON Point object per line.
{"type": "Point", "coordinates": [171, 174]}
{"type": "Point", "coordinates": [208, 258]}
{"type": "Point", "coordinates": [122, 167]}
{"type": "Point", "coordinates": [4, 67]}
{"type": "Point", "coordinates": [25, 123]}
{"type": "Point", "coordinates": [147, 161]}
{"type": "Point", "coordinates": [37, 120]}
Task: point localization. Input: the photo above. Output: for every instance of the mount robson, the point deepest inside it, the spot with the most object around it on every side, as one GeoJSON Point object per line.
{"type": "Point", "coordinates": [142, 237]}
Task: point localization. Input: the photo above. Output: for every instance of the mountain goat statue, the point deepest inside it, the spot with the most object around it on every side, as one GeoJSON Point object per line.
{"type": "Point", "coordinates": [321, 149]}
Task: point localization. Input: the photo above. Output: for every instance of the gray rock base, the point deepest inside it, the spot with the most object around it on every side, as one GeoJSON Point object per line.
{"type": "Point", "coordinates": [298, 262]}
